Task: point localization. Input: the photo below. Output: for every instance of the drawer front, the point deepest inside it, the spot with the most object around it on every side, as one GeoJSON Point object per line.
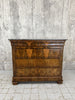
{"type": "Point", "coordinates": [46, 72]}
{"type": "Point", "coordinates": [22, 53]}
{"type": "Point", "coordinates": [27, 72]}
{"type": "Point", "coordinates": [22, 63]}
{"type": "Point", "coordinates": [38, 72]}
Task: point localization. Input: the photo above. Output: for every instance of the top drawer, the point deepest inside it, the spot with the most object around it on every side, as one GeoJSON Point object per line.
{"type": "Point", "coordinates": [23, 53]}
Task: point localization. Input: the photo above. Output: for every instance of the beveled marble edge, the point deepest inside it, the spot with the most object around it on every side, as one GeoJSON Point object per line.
{"type": "Point", "coordinates": [39, 39]}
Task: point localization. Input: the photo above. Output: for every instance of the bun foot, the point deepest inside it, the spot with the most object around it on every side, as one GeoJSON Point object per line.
{"type": "Point", "coordinates": [60, 82]}
{"type": "Point", "coordinates": [14, 83]}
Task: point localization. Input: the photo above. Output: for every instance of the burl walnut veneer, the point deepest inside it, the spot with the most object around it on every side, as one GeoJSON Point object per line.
{"type": "Point", "coordinates": [37, 60]}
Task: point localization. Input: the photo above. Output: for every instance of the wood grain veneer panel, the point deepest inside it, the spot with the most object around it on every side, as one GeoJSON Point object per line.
{"type": "Point", "coordinates": [22, 63]}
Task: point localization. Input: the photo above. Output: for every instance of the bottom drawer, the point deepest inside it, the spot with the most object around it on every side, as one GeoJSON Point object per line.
{"type": "Point", "coordinates": [27, 72]}
{"type": "Point", "coordinates": [46, 72]}
{"type": "Point", "coordinates": [38, 72]}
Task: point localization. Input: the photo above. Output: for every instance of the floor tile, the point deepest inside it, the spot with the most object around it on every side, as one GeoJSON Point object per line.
{"type": "Point", "coordinates": [2, 96]}
{"type": "Point", "coordinates": [67, 96]}
{"type": "Point", "coordinates": [26, 97]}
{"type": "Point", "coordinates": [73, 96]}
{"type": "Point", "coordinates": [9, 97]}
{"type": "Point", "coordinates": [4, 91]}
{"type": "Point", "coordinates": [43, 96]}
{"type": "Point", "coordinates": [27, 91]}
{"type": "Point", "coordinates": [18, 97]}
{"type": "Point", "coordinates": [71, 90]}
{"type": "Point", "coordinates": [35, 91]}
{"type": "Point", "coordinates": [34, 97]}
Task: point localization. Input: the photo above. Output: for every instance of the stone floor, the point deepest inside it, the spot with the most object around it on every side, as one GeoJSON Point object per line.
{"type": "Point", "coordinates": [37, 91]}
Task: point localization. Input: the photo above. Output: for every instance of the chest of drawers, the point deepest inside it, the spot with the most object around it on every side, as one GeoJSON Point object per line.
{"type": "Point", "coordinates": [37, 60]}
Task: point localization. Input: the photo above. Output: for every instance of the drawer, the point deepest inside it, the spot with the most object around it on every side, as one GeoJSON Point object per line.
{"type": "Point", "coordinates": [46, 72]}
{"type": "Point", "coordinates": [27, 72]}
{"type": "Point", "coordinates": [22, 53]}
{"type": "Point", "coordinates": [22, 63]}
{"type": "Point", "coordinates": [47, 63]}
{"type": "Point", "coordinates": [38, 72]}
{"type": "Point", "coordinates": [51, 53]}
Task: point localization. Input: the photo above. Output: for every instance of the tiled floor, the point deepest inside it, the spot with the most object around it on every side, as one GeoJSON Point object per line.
{"type": "Point", "coordinates": [37, 91]}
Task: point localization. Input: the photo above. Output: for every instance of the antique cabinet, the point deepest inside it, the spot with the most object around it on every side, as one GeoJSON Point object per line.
{"type": "Point", "coordinates": [37, 60]}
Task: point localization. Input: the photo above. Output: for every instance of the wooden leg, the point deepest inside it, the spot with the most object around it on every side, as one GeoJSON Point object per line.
{"type": "Point", "coordinates": [14, 83]}
{"type": "Point", "coordinates": [60, 82]}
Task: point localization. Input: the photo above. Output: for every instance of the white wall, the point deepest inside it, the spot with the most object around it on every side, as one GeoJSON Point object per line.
{"type": "Point", "coordinates": [37, 19]}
